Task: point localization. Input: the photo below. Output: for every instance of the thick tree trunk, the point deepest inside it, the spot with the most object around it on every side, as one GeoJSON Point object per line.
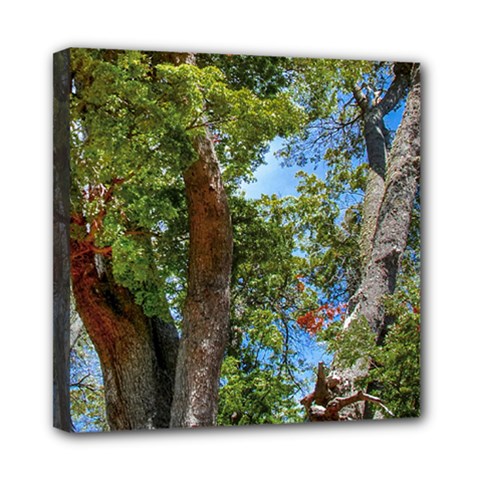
{"type": "Point", "coordinates": [206, 314]}
{"type": "Point", "coordinates": [207, 306]}
{"type": "Point", "coordinates": [137, 353]}
{"type": "Point", "coordinates": [61, 222]}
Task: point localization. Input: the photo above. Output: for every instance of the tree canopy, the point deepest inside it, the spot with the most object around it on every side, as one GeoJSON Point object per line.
{"type": "Point", "coordinates": [160, 145]}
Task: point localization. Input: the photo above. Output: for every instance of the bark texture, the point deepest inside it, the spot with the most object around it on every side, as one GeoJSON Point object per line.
{"type": "Point", "coordinates": [137, 353]}
{"type": "Point", "coordinates": [206, 315]}
{"type": "Point", "coordinates": [207, 308]}
{"type": "Point", "coordinates": [374, 111]}
{"type": "Point", "coordinates": [393, 220]}
{"type": "Point", "coordinates": [386, 230]}
{"type": "Point", "coordinates": [61, 221]}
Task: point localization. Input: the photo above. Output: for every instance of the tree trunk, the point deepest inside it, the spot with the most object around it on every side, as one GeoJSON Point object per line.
{"type": "Point", "coordinates": [375, 134]}
{"type": "Point", "coordinates": [137, 353]}
{"type": "Point", "coordinates": [388, 232]}
{"type": "Point", "coordinates": [207, 306]}
{"type": "Point", "coordinates": [377, 156]}
{"type": "Point", "coordinates": [206, 315]}
{"type": "Point", "coordinates": [61, 222]}
{"type": "Point", "coordinates": [393, 222]}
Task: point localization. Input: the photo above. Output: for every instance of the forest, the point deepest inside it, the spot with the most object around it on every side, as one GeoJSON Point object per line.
{"type": "Point", "coordinates": [192, 302]}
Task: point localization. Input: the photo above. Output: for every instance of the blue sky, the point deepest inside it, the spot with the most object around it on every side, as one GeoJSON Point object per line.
{"type": "Point", "coordinates": [272, 178]}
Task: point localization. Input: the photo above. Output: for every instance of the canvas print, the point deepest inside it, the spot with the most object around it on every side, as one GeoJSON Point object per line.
{"type": "Point", "coordinates": [236, 240]}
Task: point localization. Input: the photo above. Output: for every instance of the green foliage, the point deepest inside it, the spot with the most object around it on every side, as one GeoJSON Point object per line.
{"type": "Point", "coordinates": [255, 396]}
{"type": "Point", "coordinates": [325, 89]}
{"type": "Point", "coordinates": [320, 84]}
{"type": "Point", "coordinates": [132, 114]}
{"type": "Point", "coordinates": [354, 344]}
{"type": "Point", "coordinates": [265, 368]}
{"type": "Point", "coordinates": [395, 372]}
{"type": "Point", "coordinates": [327, 216]}
{"type": "Point", "coordinates": [398, 360]}
{"type": "Point", "coordinates": [133, 119]}
{"type": "Point", "coordinates": [134, 263]}
{"type": "Point", "coordinates": [264, 76]}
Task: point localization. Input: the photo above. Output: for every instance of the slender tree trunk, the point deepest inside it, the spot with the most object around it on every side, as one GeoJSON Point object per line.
{"type": "Point", "coordinates": [61, 222]}
{"type": "Point", "coordinates": [137, 353]}
{"type": "Point", "coordinates": [207, 306]}
{"type": "Point", "coordinates": [206, 315]}
{"type": "Point", "coordinates": [393, 222]}
{"type": "Point", "coordinates": [388, 230]}
{"type": "Point", "coordinates": [377, 156]}
{"type": "Point", "coordinates": [374, 131]}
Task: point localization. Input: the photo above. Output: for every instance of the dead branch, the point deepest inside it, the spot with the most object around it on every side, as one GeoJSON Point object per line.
{"type": "Point", "coordinates": [322, 405]}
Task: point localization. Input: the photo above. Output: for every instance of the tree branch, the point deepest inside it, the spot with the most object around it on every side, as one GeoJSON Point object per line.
{"type": "Point", "coordinates": [398, 88]}
{"type": "Point", "coordinates": [361, 98]}
{"type": "Point", "coordinates": [321, 406]}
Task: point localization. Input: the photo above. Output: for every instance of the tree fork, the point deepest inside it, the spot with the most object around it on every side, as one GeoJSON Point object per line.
{"type": "Point", "coordinates": [374, 131]}
{"type": "Point", "coordinates": [392, 226]}
{"type": "Point", "coordinates": [137, 353]}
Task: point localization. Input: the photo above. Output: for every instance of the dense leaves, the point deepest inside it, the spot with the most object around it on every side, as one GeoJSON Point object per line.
{"type": "Point", "coordinates": [269, 357]}
{"type": "Point", "coordinates": [296, 259]}
{"type": "Point", "coordinates": [132, 124]}
{"type": "Point", "coordinates": [397, 369]}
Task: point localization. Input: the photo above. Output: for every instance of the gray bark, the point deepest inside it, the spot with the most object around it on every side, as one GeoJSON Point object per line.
{"type": "Point", "coordinates": [61, 222]}
{"type": "Point", "coordinates": [393, 222]}
{"type": "Point", "coordinates": [374, 131]}
{"type": "Point", "coordinates": [388, 232]}
{"type": "Point", "coordinates": [76, 327]}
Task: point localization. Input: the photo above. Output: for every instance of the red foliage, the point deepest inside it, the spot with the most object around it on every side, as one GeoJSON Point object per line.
{"type": "Point", "coordinates": [314, 320]}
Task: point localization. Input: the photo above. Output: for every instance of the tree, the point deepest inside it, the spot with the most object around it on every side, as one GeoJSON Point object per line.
{"type": "Point", "coordinates": [167, 255]}
{"type": "Point", "coordinates": [145, 126]}
{"type": "Point", "coordinates": [206, 314]}
{"type": "Point", "coordinates": [390, 187]}
{"type": "Point", "coordinates": [264, 369]}
{"type": "Point", "coordinates": [388, 200]}
{"type": "Point", "coordinates": [396, 373]}
{"type": "Point", "coordinates": [389, 239]}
